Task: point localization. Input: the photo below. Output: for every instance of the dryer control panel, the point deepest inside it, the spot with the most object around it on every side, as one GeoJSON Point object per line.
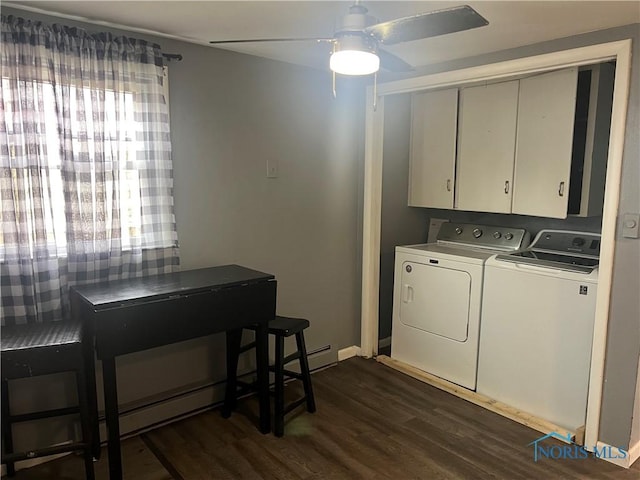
{"type": "Point", "coordinates": [483, 236]}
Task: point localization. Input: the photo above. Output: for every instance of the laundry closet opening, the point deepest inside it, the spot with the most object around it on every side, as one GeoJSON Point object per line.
{"type": "Point", "coordinates": [402, 224]}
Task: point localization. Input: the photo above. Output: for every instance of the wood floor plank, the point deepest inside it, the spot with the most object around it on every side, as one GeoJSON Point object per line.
{"type": "Point", "coordinates": [139, 463]}
{"type": "Point", "coordinates": [372, 423]}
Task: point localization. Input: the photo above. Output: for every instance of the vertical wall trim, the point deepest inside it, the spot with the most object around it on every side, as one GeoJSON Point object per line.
{"type": "Point", "coordinates": [372, 211]}
{"type": "Point", "coordinates": [607, 250]}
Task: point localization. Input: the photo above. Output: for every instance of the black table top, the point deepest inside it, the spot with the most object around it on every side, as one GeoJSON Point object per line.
{"type": "Point", "coordinates": [110, 294]}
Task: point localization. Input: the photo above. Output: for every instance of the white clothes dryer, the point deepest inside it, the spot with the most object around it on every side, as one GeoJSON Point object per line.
{"type": "Point", "coordinates": [438, 295]}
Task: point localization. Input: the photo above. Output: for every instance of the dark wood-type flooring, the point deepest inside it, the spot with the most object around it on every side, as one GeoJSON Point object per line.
{"type": "Point", "coordinates": [372, 423]}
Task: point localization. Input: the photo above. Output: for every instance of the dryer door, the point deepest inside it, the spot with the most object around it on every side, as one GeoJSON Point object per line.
{"type": "Point", "coordinates": [436, 300]}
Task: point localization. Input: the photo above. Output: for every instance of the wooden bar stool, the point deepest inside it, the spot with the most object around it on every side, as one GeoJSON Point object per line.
{"type": "Point", "coordinates": [43, 349]}
{"type": "Point", "coordinates": [280, 328]}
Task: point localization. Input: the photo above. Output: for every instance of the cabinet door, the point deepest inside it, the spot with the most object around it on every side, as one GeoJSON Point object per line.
{"type": "Point", "coordinates": [486, 144]}
{"type": "Point", "coordinates": [434, 117]}
{"type": "Point", "coordinates": [545, 140]}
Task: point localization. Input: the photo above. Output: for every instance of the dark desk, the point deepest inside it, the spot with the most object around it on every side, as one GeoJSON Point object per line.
{"type": "Point", "coordinates": [128, 316]}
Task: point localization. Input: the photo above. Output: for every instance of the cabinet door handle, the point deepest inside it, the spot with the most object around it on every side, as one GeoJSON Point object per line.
{"type": "Point", "coordinates": [561, 189]}
{"type": "Point", "coordinates": [448, 185]}
{"type": "Point", "coordinates": [506, 186]}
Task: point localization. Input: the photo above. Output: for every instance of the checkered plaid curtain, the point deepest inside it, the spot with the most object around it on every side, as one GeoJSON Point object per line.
{"type": "Point", "coordinates": [86, 178]}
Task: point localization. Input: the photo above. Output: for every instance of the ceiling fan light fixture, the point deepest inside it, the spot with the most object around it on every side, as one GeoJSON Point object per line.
{"type": "Point", "coordinates": [354, 55]}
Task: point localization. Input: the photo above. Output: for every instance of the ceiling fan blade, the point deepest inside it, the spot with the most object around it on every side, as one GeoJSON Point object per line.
{"type": "Point", "coordinates": [391, 62]}
{"type": "Point", "coordinates": [258, 40]}
{"type": "Point", "coordinates": [425, 25]}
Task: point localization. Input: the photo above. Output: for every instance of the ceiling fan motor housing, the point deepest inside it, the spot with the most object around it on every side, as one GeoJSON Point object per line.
{"type": "Point", "coordinates": [354, 49]}
{"type": "Point", "coordinates": [359, 41]}
{"type": "Point", "coordinates": [356, 20]}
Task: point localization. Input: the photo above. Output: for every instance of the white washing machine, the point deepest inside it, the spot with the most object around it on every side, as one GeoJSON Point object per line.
{"type": "Point", "coordinates": [437, 298]}
{"type": "Point", "coordinates": [537, 326]}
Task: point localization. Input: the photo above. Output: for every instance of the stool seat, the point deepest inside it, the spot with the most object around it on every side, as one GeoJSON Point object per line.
{"type": "Point", "coordinates": [20, 337]}
{"type": "Point", "coordinates": [41, 349]}
{"type": "Point", "coordinates": [287, 326]}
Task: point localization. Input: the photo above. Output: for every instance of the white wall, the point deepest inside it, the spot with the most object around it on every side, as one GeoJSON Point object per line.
{"type": "Point", "coordinates": [230, 115]}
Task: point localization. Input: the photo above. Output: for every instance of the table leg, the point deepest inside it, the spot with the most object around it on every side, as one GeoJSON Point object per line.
{"type": "Point", "coordinates": [111, 416]}
{"type": "Point", "coordinates": [234, 338]}
{"type": "Point", "coordinates": [262, 356]}
{"type": "Point", "coordinates": [92, 398]}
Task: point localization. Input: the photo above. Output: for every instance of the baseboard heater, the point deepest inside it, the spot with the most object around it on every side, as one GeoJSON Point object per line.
{"type": "Point", "coordinates": [148, 414]}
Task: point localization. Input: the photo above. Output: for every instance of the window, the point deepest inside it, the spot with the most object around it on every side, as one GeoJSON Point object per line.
{"type": "Point", "coordinates": [86, 176]}
{"type": "Point", "coordinates": [118, 129]}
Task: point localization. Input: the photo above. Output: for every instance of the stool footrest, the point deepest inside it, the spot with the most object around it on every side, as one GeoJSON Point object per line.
{"type": "Point", "coordinates": [245, 387]}
{"type": "Point", "coordinates": [291, 358]}
{"type": "Point", "coordinates": [291, 374]}
{"type": "Point", "coordinates": [43, 452]}
{"type": "Point", "coordinates": [247, 347]}
{"type": "Point", "coordinates": [295, 404]}
{"type": "Point", "coordinates": [56, 412]}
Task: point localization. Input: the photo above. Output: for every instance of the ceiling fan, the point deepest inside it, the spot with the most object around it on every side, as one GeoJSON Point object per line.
{"type": "Point", "coordinates": [356, 44]}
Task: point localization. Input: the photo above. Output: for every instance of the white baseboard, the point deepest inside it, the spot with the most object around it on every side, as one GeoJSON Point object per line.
{"type": "Point", "coordinates": [631, 456]}
{"type": "Point", "coordinates": [384, 342]}
{"type": "Point", "coordinates": [634, 453]}
{"type": "Point", "coordinates": [348, 352]}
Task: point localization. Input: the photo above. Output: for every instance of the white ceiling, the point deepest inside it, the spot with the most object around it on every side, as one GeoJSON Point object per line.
{"type": "Point", "coordinates": [511, 23]}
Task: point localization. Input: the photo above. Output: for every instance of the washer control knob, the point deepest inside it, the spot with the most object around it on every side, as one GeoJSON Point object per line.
{"type": "Point", "coordinates": [458, 231]}
{"type": "Point", "coordinates": [497, 235]}
{"type": "Point", "coordinates": [508, 236]}
{"type": "Point", "coordinates": [477, 232]}
{"type": "Point", "coordinates": [578, 242]}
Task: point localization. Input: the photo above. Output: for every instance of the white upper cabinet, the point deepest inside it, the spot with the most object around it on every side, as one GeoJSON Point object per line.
{"type": "Point", "coordinates": [486, 145]}
{"type": "Point", "coordinates": [544, 145]}
{"type": "Point", "coordinates": [434, 117]}
{"type": "Point", "coordinates": [535, 146]}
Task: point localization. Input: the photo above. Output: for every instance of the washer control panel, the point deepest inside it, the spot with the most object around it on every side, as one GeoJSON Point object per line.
{"type": "Point", "coordinates": [483, 236]}
{"type": "Point", "coordinates": [569, 242]}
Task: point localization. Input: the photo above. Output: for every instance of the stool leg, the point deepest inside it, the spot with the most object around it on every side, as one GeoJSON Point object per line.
{"type": "Point", "coordinates": [7, 435]}
{"type": "Point", "coordinates": [262, 365]}
{"type": "Point", "coordinates": [92, 394]}
{"type": "Point", "coordinates": [234, 338]}
{"type": "Point", "coordinates": [85, 422]}
{"type": "Point", "coordinates": [304, 370]}
{"type": "Point", "coordinates": [279, 387]}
